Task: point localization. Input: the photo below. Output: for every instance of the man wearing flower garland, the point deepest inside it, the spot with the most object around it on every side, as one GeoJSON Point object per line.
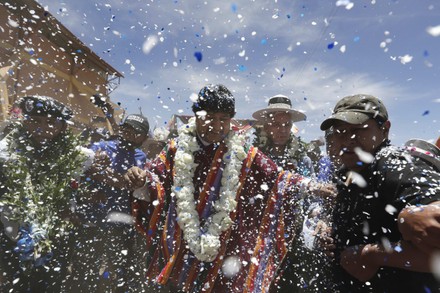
{"type": "Point", "coordinates": [207, 196]}
{"type": "Point", "coordinates": [41, 162]}
{"type": "Point", "coordinates": [276, 139]}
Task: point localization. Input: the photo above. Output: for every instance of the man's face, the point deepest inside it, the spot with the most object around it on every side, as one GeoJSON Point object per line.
{"type": "Point", "coordinates": [132, 136]}
{"type": "Point", "coordinates": [332, 152]}
{"type": "Point", "coordinates": [350, 142]}
{"type": "Point", "coordinates": [43, 129]}
{"type": "Point", "coordinates": [278, 128]}
{"type": "Point", "coordinates": [213, 127]}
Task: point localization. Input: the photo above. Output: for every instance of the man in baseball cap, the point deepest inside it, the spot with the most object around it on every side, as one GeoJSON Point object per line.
{"type": "Point", "coordinates": [108, 210]}
{"type": "Point", "coordinates": [376, 182]}
{"type": "Point", "coordinates": [138, 122]}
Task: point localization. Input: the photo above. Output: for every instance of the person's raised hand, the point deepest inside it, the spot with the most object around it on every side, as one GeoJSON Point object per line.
{"type": "Point", "coordinates": [135, 177]}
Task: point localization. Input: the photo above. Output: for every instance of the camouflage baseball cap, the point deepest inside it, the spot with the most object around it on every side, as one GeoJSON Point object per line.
{"type": "Point", "coordinates": [357, 109]}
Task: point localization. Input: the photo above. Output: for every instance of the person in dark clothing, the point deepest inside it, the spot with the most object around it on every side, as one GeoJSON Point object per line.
{"type": "Point", "coordinates": [376, 182]}
{"type": "Point", "coordinates": [106, 257]}
{"type": "Point", "coordinates": [40, 165]}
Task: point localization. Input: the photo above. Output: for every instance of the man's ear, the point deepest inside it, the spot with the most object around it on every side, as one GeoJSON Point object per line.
{"type": "Point", "coordinates": [386, 128]}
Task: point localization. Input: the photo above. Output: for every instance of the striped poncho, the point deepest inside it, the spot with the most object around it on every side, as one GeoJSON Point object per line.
{"type": "Point", "coordinates": [172, 265]}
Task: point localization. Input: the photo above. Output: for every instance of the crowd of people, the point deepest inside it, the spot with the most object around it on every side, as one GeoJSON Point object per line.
{"type": "Point", "coordinates": [218, 210]}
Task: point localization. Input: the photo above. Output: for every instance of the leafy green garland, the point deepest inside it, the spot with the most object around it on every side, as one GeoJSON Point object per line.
{"type": "Point", "coordinates": [295, 148]}
{"type": "Point", "coordinates": [41, 182]}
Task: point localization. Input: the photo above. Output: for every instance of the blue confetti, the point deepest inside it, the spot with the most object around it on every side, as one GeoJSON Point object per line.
{"type": "Point", "coordinates": [356, 39]}
{"type": "Point", "coordinates": [425, 113]}
{"type": "Point", "coordinates": [198, 56]}
{"type": "Point", "coordinates": [425, 53]}
{"type": "Point", "coordinates": [106, 275]}
{"type": "Point", "coordinates": [31, 52]}
{"type": "Point", "coordinates": [330, 46]}
{"type": "Point", "coordinates": [234, 7]}
{"type": "Point", "coordinates": [242, 68]}
{"type": "Point", "coordinates": [288, 16]}
{"type": "Point", "coordinates": [263, 41]}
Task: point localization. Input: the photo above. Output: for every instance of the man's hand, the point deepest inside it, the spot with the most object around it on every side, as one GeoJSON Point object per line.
{"type": "Point", "coordinates": [420, 225]}
{"type": "Point", "coordinates": [324, 241]}
{"type": "Point", "coordinates": [323, 190]}
{"type": "Point", "coordinates": [358, 261]}
{"type": "Point", "coordinates": [135, 177]}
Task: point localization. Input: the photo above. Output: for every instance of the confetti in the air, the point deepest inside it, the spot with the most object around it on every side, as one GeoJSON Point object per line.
{"type": "Point", "coordinates": [434, 30]}
{"type": "Point", "coordinates": [149, 44]}
{"type": "Point", "coordinates": [231, 266]}
{"type": "Point", "coordinates": [405, 59]}
{"type": "Point", "coordinates": [198, 56]}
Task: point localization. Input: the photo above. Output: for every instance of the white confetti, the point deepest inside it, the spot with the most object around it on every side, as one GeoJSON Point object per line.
{"type": "Point", "coordinates": [435, 265]}
{"type": "Point", "coordinates": [264, 187]}
{"type": "Point", "coordinates": [149, 44]}
{"type": "Point", "coordinates": [231, 266]}
{"type": "Point", "coordinates": [358, 179]}
{"type": "Point", "coordinates": [390, 209]}
{"type": "Point", "coordinates": [12, 23]}
{"type": "Point", "coordinates": [364, 156]}
{"type": "Point", "coordinates": [434, 30]}
{"type": "Point", "coordinates": [219, 61]}
{"type": "Point", "coordinates": [405, 59]}
{"type": "Point", "coordinates": [118, 217]}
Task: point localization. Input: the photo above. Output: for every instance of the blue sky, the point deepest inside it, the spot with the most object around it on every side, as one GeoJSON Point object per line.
{"type": "Point", "coordinates": [314, 51]}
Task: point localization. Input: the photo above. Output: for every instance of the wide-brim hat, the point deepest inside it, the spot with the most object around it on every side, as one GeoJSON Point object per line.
{"type": "Point", "coordinates": [279, 103]}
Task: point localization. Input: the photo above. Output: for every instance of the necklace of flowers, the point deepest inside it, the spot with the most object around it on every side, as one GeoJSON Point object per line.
{"type": "Point", "coordinates": [204, 241]}
{"type": "Point", "coordinates": [37, 190]}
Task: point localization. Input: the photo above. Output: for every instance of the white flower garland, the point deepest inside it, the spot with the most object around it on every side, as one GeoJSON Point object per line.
{"type": "Point", "coordinates": [204, 242]}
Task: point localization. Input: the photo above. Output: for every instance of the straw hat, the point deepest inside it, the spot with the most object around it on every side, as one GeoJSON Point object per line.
{"type": "Point", "coordinates": [279, 103]}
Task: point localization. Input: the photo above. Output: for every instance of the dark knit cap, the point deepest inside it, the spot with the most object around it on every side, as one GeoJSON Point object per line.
{"type": "Point", "coordinates": [215, 98]}
{"type": "Point", "coordinates": [43, 106]}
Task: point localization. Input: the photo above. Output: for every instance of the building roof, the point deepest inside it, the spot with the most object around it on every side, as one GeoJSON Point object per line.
{"type": "Point", "coordinates": [56, 32]}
